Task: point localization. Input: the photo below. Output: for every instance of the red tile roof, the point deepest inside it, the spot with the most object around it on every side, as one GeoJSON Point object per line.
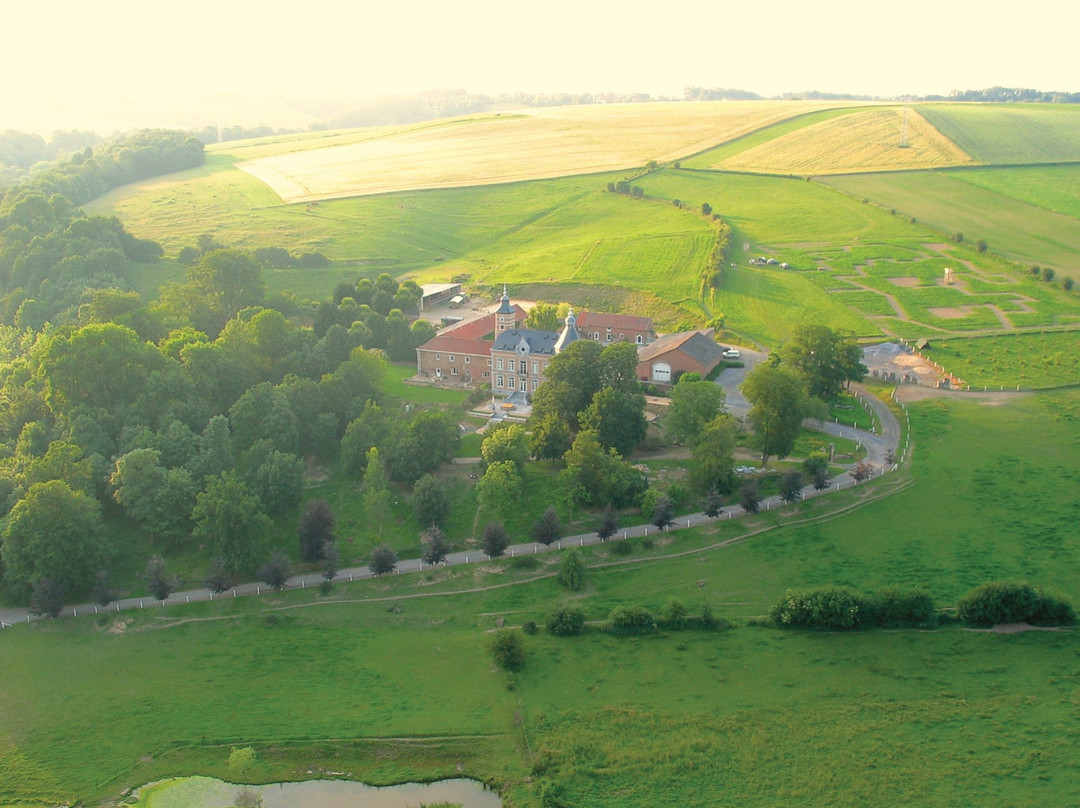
{"type": "Point", "coordinates": [451, 343]}
{"type": "Point", "coordinates": [481, 326]}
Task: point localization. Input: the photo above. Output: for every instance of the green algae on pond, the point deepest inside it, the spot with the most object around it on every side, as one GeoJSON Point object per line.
{"type": "Point", "coordinates": [206, 792]}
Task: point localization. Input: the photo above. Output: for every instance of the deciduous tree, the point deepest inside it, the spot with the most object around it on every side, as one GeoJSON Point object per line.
{"type": "Point", "coordinates": [230, 519]}
{"type": "Point", "coordinates": [430, 500]}
{"type": "Point", "coordinates": [777, 397]}
{"type": "Point", "coordinates": [316, 529]}
{"type": "Point", "coordinates": [547, 528]}
{"type": "Point", "coordinates": [495, 540]}
{"type": "Point", "coordinates": [383, 560]}
{"type": "Point", "coordinates": [53, 532]}
{"type": "Point", "coordinates": [693, 405]}
{"type": "Point", "coordinates": [435, 545]}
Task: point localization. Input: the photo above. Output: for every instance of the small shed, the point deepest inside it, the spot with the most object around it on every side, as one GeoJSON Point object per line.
{"type": "Point", "coordinates": [923, 344]}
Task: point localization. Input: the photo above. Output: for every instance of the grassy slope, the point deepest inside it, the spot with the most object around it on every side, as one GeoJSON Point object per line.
{"type": "Point", "coordinates": [1054, 188]}
{"type": "Point", "coordinates": [1014, 228]}
{"type": "Point", "coordinates": [750, 717]}
{"type": "Point", "coordinates": [1010, 133]}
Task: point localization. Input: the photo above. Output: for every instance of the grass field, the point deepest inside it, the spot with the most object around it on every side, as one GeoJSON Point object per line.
{"type": "Point", "coordinates": [1013, 228]}
{"type": "Point", "coordinates": [750, 716]}
{"type": "Point", "coordinates": [1054, 188]}
{"type": "Point", "coordinates": [1030, 361]}
{"type": "Point", "coordinates": [1010, 133]}
{"type": "Point", "coordinates": [864, 140]}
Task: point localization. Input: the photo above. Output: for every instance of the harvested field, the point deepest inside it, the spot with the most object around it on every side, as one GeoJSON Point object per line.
{"type": "Point", "coordinates": [543, 144]}
{"type": "Point", "coordinates": [866, 140]}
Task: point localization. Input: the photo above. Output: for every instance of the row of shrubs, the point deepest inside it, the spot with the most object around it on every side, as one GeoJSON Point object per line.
{"type": "Point", "coordinates": [568, 619]}
{"type": "Point", "coordinates": [838, 608]}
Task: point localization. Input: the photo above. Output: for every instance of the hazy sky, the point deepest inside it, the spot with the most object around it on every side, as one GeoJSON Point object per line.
{"type": "Point", "coordinates": [68, 54]}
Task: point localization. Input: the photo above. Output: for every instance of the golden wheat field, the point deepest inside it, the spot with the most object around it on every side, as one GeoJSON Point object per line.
{"type": "Point", "coordinates": [866, 140]}
{"type": "Point", "coordinates": [539, 144]}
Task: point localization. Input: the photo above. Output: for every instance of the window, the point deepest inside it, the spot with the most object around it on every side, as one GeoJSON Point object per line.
{"type": "Point", "coordinates": [622, 335]}
{"type": "Point", "coordinates": [535, 367]}
{"type": "Point", "coordinates": [596, 335]}
{"type": "Point", "coordinates": [438, 357]}
{"type": "Point", "coordinates": [485, 374]}
{"type": "Point", "coordinates": [499, 364]}
{"type": "Point", "coordinates": [499, 381]}
{"type": "Point", "coordinates": [453, 371]}
{"type": "Point", "coordinates": [451, 357]}
{"type": "Point", "coordinates": [466, 360]}
{"type": "Point", "coordinates": [639, 339]}
{"type": "Point", "coordinates": [534, 383]}
{"type": "Point", "coordinates": [521, 366]}
{"type": "Point", "coordinates": [511, 383]}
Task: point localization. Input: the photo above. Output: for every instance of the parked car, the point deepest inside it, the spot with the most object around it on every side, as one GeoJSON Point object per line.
{"type": "Point", "coordinates": [731, 353]}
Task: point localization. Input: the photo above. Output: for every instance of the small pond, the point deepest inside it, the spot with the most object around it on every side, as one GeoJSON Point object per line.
{"type": "Point", "coordinates": [206, 792]}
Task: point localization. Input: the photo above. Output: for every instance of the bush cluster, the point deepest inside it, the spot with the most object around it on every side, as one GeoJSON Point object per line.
{"type": "Point", "coordinates": [838, 608]}
{"type": "Point", "coordinates": [1009, 602]}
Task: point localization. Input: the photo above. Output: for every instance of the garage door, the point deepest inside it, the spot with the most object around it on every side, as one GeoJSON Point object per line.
{"type": "Point", "coordinates": [661, 372]}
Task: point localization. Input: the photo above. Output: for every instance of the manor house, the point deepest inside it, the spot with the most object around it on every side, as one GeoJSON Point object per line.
{"type": "Point", "coordinates": [496, 350]}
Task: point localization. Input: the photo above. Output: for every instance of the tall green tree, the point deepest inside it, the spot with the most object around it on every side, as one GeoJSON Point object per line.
{"type": "Point", "coordinates": [828, 359]}
{"type": "Point", "coordinates": [575, 375]}
{"type": "Point", "coordinates": [53, 532]}
{"type": "Point", "coordinates": [692, 406]}
{"type": "Point", "coordinates": [499, 490]}
{"type": "Point", "coordinates": [376, 492]}
{"type": "Point", "coordinates": [550, 438]}
{"type": "Point", "coordinates": [778, 398]}
{"type": "Point", "coordinates": [543, 317]}
{"type": "Point", "coordinates": [430, 500]}
{"type": "Point", "coordinates": [316, 529]}
{"type": "Point", "coordinates": [508, 443]}
{"type": "Point", "coordinates": [712, 464]}
{"type": "Point", "coordinates": [617, 417]}
{"type": "Point", "coordinates": [230, 520]}
{"type": "Point", "coordinates": [228, 280]}
{"type": "Point", "coordinates": [618, 366]}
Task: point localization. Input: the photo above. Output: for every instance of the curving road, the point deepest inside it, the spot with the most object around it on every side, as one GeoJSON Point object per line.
{"type": "Point", "coordinates": [878, 448]}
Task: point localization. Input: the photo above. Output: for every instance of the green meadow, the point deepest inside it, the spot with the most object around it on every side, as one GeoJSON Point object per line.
{"type": "Point", "coordinates": [1054, 188]}
{"type": "Point", "coordinates": [391, 679]}
{"type": "Point", "coordinates": [952, 203]}
{"type": "Point", "coordinates": [1010, 133]}
{"type": "Point", "coordinates": [1008, 361]}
